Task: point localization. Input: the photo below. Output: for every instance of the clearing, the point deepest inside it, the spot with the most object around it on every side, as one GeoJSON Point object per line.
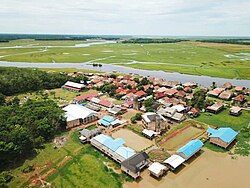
{"type": "Point", "coordinates": [132, 139]}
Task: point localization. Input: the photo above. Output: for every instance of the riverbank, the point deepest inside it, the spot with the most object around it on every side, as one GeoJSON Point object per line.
{"type": "Point", "coordinates": [207, 170]}
{"type": "Point", "coordinates": [109, 68]}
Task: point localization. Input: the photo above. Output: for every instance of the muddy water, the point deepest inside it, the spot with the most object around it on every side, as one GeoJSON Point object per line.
{"type": "Point", "coordinates": [208, 170]}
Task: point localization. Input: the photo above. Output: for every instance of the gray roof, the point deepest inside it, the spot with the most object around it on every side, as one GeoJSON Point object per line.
{"type": "Point", "coordinates": [88, 133]}
{"type": "Point", "coordinates": [133, 162]}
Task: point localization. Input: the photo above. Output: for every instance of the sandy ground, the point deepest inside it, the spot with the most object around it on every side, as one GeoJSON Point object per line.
{"type": "Point", "coordinates": [133, 140]}
{"type": "Point", "coordinates": [208, 170]}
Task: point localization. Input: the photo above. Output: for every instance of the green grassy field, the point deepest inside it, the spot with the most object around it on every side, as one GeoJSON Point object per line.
{"type": "Point", "coordinates": [223, 119]}
{"type": "Point", "coordinates": [61, 96]}
{"type": "Point", "coordinates": [86, 167]}
{"type": "Point", "coordinates": [185, 57]}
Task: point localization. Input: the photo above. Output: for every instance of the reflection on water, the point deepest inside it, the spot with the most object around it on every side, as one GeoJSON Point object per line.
{"type": "Point", "coordinates": [108, 68]}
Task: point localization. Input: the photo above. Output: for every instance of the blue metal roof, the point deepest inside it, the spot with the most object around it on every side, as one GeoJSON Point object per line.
{"type": "Point", "coordinates": [226, 134]}
{"type": "Point", "coordinates": [103, 122]}
{"type": "Point", "coordinates": [108, 118]}
{"type": "Point", "coordinates": [125, 152]}
{"type": "Point", "coordinates": [113, 144]}
{"type": "Point", "coordinates": [101, 138]}
{"type": "Point", "coordinates": [190, 148]}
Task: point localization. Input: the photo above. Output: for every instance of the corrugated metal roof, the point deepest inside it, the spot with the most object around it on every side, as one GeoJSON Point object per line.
{"type": "Point", "coordinates": [174, 160]}
{"type": "Point", "coordinates": [125, 152]}
{"type": "Point", "coordinates": [113, 144]}
{"type": "Point", "coordinates": [101, 138]}
{"type": "Point", "coordinates": [226, 134]}
{"type": "Point", "coordinates": [108, 118]}
{"type": "Point", "coordinates": [190, 148]}
{"type": "Point", "coordinates": [103, 122]}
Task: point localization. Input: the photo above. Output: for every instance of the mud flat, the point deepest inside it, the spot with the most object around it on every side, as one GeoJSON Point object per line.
{"type": "Point", "coordinates": [207, 170]}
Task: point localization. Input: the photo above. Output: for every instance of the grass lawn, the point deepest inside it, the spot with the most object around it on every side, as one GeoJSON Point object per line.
{"type": "Point", "coordinates": [185, 57]}
{"type": "Point", "coordinates": [223, 119]}
{"type": "Point", "coordinates": [61, 96]}
{"type": "Point", "coordinates": [86, 167]}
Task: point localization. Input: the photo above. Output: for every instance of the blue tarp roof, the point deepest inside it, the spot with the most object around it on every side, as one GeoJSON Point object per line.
{"type": "Point", "coordinates": [190, 148]}
{"type": "Point", "coordinates": [103, 122]}
{"type": "Point", "coordinates": [113, 144]}
{"type": "Point", "coordinates": [226, 134]}
{"type": "Point", "coordinates": [125, 152]}
{"type": "Point", "coordinates": [108, 118]}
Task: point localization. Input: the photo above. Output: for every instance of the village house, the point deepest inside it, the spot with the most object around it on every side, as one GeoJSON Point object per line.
{"type": "Point", "coordinates": [85, 97]}
{"type": "Point", "coordinates": [86, 134]}
{"type": "Point", "coordinates": [194, 112]}
{"type": "Point", "coordinates": [73, 86]}
{"type": "Point", "coordinates": [239, 99]}
{"type": "Point", "coordinates": [157, 169]}
{"type": "Point", "coordinates": [171, 92]}
{"type": "Point", "coordinates": [190, 84]}
{"type": "Point", "coordinates": [150, 134]}
{"type": "Point", "coordinates": [154, 121]}
{"type": "Point", "coordinates": [216, 92]}
{"type": "Point", "coordinates": [190, 149]}
{"type": "Point", "coordinates": [235, 110]}
{"type": "Point", "coordinates": [227, 85]}
{"type": "Point", "coordinates": [225, 95]}
{"type": "Point", "coordinates": [171, 113]}
{"type": "Point", "coordinates": [108, 121]}
{"type": "Point", "coordinates": [239, 88]}
{"type": "Point", "coordinates": [140, 94]}
{"type": "Point", "coordinates": [222, 137]}
{"type": "Point", "coordinates": [134, 165]}
{"type": "Point", "coordinates": [188, 89]}
{"type": "Point", "coordinates": [216, 107]}
{"type": "Point", "coordinates": [77, 115]}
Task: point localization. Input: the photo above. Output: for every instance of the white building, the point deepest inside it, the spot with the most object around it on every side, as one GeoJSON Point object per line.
{"type": "Point", "coordinates": [77, 115]}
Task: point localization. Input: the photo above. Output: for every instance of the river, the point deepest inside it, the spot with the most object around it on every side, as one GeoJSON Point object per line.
{"type": "Point", "coordinates": [109, 68]}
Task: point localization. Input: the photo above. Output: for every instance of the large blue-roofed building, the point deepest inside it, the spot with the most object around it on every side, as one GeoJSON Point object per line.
{"type": "Point", "coordinates": [222, 137]}
{"type": "Point", "coordinates": [190, 149]}
{"type": "Point", "coordinates": [114, 148]}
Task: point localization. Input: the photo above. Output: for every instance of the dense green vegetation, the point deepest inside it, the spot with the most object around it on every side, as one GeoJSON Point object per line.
{"type": "Point", "coordinates": [152, 40]}
{"type": "Point", "coordinates": [245, 41]}
{"type": "Point", "coordinates": [25, 127]}
{"type": "Point", "coordinates": [9, 37]}
{"type": "Point", "coordinates": [18, 80]}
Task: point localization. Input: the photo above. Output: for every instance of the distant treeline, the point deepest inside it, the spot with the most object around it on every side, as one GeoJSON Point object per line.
{"type": "Point", "coordinates": [20, 80]}
{"type": "Point", "coordinates": [227, 41]}
{"type": "Point", "coordinates": [153, 40]}
{"type": "Point", "coordinates": [9, 37]}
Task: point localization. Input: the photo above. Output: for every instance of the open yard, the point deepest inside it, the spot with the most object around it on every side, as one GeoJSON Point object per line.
{"type": "Point", "coordinates": [180, 137]}
{"type": "Point", "coordinates": [186, 57]}
{"type": "Point", "coordinates": [132, 139]}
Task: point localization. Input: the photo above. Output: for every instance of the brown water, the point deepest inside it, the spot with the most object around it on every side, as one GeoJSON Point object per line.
{"type": "Point", "coordinates": [208, 170]}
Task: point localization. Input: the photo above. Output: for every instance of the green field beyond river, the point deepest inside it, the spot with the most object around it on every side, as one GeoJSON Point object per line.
{"type": "Point", "coordinates": [209, 59]}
